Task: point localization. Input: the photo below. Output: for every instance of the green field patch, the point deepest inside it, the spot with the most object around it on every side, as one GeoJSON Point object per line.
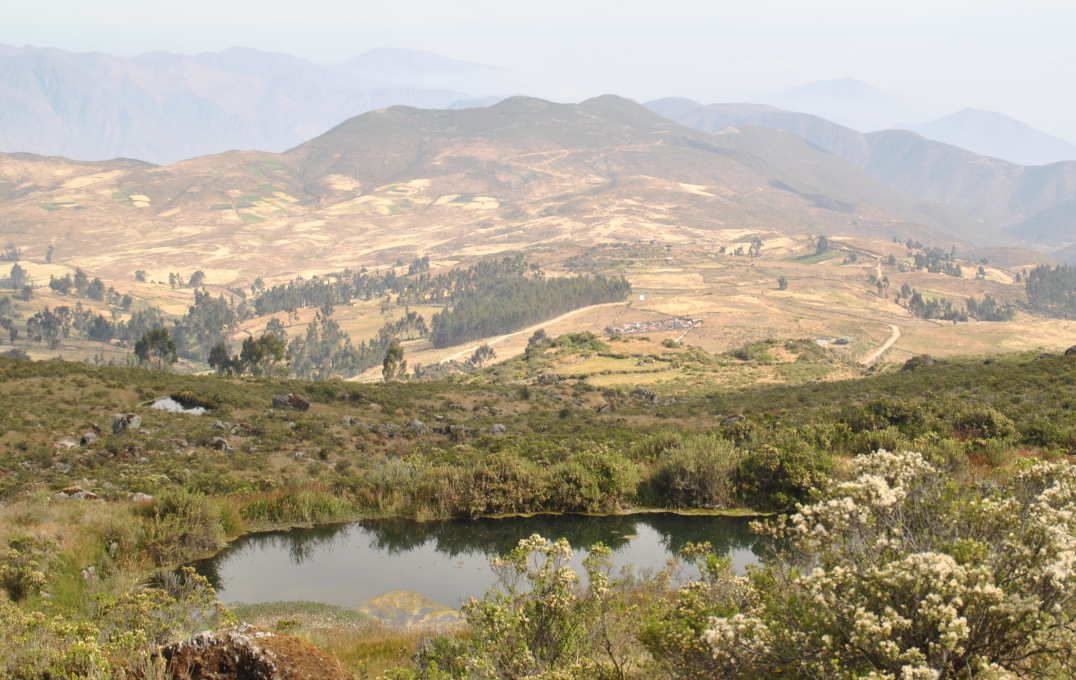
{"type": "Point", "coordinates": [814, 259]}
{"type": "Point", "coordinates": [250, 219]}
{"type": "Point", "coordinates": [57, 205]}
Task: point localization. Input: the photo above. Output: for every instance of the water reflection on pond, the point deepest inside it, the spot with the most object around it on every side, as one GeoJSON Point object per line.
{"type": "Point", "coordinates": [448, 561]}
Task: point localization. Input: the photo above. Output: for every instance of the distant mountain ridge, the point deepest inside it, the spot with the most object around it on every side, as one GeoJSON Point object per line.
{"type": "Point", "coordinates": [1001, 201]}
{"type": "Point", "coordinates": [847, 101]}
{"type": "Point", "coordinates": [994, 134]}
{"type": "Point", "coordinates": [164, 107]}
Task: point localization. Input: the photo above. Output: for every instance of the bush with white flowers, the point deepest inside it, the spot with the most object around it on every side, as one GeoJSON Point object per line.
{"type": "Point", "coordinates": [902, 574]}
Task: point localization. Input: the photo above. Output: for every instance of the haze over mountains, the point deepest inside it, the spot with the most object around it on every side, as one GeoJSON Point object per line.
{"type": "Point", "coordinates": [1002, 200]}
{"type": "Point", "coordinates": [994, 134]}
{"type": "Point", "coordinates": [163, 107]}
{"type": "Point", "coordinates": [462, 169]}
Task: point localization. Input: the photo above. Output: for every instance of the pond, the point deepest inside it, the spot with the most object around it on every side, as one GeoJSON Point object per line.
{"type": "Point", "coordinates": [446, 561]}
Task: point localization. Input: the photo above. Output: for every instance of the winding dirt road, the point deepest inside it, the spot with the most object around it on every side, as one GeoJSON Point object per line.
{"type": "Point", "coordinates": [873, 356]}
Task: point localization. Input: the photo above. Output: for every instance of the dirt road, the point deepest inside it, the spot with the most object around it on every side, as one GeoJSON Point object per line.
{"type": "Point", "coordinates": [873, 356]}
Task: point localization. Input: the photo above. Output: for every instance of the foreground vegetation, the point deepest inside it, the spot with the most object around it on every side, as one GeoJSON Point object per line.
{"type": "Point", "coordinates": [476, 446]}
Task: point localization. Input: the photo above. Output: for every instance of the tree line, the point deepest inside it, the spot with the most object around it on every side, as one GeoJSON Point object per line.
{"type": "Point", "coordinates": [1052, 290]}
{"type": "Point", "coordinates": [520, 301]}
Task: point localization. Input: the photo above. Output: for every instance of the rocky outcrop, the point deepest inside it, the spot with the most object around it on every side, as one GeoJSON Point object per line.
{"type": "Point", "coordinates": [248, 653]}
{"type": "Point", "coordinates": [291, 401]}
{"type": "Point", "coordinates": [75, 493]}
{"type": "Point", "coordinates": [125, 422]}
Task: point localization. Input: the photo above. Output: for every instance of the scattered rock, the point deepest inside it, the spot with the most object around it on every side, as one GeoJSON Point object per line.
{"type": "Point", "coordinates": [74, 493]}
{"type": "Point", "coordinates": [141, 498]}
{"type": "Point", "coordinates": [732, 420]}
{"type": "Point", "coordinates": [349, 421]}
{"type": "Point", "coordinates": [89, 573]}
{"type": "Point", "coordinates": [67, 444]}
{"type": "Point", "coordinates": [125, 422]}
{"type": "Point", "coordinates": [645, 395]}
{"type": "Point", "coordinates": [181, 443]}
{"type": "Point", "coordinates": [498, 430]}
{"type": "Point", "coordinates": [456, 432]}
{"type": "Point", "coordinates": [248, 653]}
{"type": "Point", "coordinates": [387, 430]}
{"type": "Point", "coordinates": [1071, 351]}
{"type": "Point", "coordinates": [549, 379]}
{"type": "Point", "coordinates": [220, 444]}
{"type": "Point", "coordinates": [417, 427]}
{"type": "Point", "coordinates": [221, 425]}
{"type": "Point", "coordinates": [87, 438]}
{"type": "Point", "coordinates": [291, 401]}
{"type": "Point", "coordinates": [920, 361]}
{"type": "Point", "coordinates": [172, 406]}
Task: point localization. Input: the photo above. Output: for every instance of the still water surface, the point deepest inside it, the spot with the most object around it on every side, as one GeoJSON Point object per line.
{"type": "Point", "coordinates": [447, 561]}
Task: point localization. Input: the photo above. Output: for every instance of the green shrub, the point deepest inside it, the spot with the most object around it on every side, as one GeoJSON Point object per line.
{"type": "Point", "coordinates": [295, 507]}
{"type": "Point", "coordinates": [983, 422]}
{"type": "Point", "coordinates": [598, 480]}
{"type": "Point", "coordinates": [772, 478]}
{"type": "Point", "coordinates": [181, 525]}
{"type": "Point", "coordinates": [23, 566]}
{"type": "Point", "coordinates": [697, 473]}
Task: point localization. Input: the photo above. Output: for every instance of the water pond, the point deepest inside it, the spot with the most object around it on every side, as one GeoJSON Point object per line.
{"type": "Point", "coordinates": [446, 561]}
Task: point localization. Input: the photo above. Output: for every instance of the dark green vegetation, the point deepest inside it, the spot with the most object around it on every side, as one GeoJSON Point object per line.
{"type": "Point", "coordinates": [516, 303]}
{"type": "Point", "coordinates": [463, 449]}
{"type": "Point", "coordinates": [1053, 291]}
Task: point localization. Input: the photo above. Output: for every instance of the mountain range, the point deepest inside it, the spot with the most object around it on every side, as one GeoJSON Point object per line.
{"type": "Point", "coordinates": [400, 182]}
{"type": "Point", "coordinates": [1000, 201]}
{"type": "Point", "coordinates": [163, 107]}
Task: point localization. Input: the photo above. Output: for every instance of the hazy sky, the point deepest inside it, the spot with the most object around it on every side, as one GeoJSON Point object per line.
{"type": "Point", "coordinates": [1016, 57]}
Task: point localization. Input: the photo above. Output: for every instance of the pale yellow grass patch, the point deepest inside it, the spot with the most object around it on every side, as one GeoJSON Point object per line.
{"type": "Point", "coordinates": [696, 189]}
{"type": "Point", "coordinates": [342, 183]}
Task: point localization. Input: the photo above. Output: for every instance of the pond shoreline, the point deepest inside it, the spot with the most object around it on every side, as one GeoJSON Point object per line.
{"type": "Point", "coordinates": [739, 513]}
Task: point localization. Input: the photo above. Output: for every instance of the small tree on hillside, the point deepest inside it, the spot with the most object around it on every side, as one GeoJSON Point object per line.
{"type": "Point", "coordinates": [197, 279]}
{"type": "Point", "coordinates": [19, 277]}
{"type": "Point", "coordinates": [782, 283]}
{"type": "Point", "coordinates": [262, 356]}
{"type": "Point", "coordinates": [482, 356]}
{"type": "Point", "coordinates": [220, 359]}
{"type": "Point", "coordinates": [156, 348]}
{"type": "Point", "coordinates": [395, 366]}
{"type": "Point", "coordinates": [822, 246]}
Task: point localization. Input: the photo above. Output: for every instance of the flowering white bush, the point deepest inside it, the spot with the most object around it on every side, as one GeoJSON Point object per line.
{"type": "Point", "coordinates": [900, 574]}
{"type": "Point", "coordinates": [542, 623]}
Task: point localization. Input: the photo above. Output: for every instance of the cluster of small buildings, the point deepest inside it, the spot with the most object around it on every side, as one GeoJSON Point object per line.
{"type": "Point", "coordinates": [634, 327]}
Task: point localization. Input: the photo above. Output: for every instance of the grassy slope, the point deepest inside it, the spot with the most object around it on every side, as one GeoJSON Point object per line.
{"type": "Point", "coordinates": [264, 483]}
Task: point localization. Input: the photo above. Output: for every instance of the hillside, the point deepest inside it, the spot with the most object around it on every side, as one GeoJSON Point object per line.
{"type": "Point", "coordinates": [402, 182]}
{"type": "Point", "coordinates": [984, 200]}
{"type": "Point", "coordinates": [90, 510]}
